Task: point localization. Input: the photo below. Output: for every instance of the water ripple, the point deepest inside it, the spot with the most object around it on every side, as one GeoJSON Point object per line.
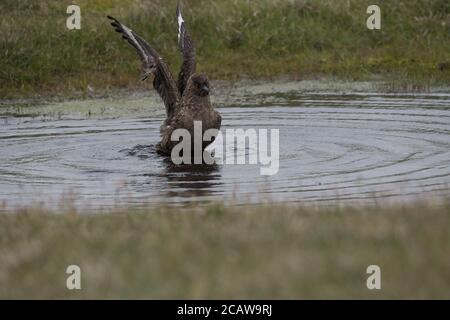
{"type": "Point", "coordinates": [332, 148]}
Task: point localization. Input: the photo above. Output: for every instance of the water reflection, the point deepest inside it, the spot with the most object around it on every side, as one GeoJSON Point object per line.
{"type": "Point", "coordinates": [197, 180]}
{"type": "Point", "coordinates": [184, 180]}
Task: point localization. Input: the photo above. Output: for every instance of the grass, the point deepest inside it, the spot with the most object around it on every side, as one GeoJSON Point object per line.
{"type": "Point", "coordinates": [228, 252]}
{"type": "Point", "coordinates": [235, 40]}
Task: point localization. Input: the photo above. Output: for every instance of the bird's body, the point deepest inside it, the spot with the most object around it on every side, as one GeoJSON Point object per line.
{"type": "Point", "coordinates": [186, 100]}
{"type": "Point", "coordinates": [193, 106]}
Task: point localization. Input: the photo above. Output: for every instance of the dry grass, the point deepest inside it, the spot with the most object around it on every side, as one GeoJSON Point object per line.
{"type": "Point", "coordinates": [228, 252]}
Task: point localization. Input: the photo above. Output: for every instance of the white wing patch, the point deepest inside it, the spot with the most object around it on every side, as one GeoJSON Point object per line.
{"type": "Point", "coordinates": [180, 25]}
{"type": "Point", "coordinates": [129, 33]}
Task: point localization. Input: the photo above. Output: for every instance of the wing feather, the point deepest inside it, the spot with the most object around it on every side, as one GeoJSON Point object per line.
{"type": "Point", "coordinates": [152, 63]}
{"type": "Point", "coordinates": [187, 50]}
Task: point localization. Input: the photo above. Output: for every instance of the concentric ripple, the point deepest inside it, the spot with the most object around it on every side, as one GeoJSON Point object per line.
{"type": "Point", "coordinates": [332, 148]}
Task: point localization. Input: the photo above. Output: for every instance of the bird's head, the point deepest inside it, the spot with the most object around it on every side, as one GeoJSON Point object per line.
{"type": "Point", "coordinates": [200, 85]}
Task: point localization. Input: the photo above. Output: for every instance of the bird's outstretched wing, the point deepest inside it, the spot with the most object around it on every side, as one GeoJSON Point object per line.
{"type": "Point", "coordinates": [163, 83]}
{"type": "Point", "coordinates": [187, 51]}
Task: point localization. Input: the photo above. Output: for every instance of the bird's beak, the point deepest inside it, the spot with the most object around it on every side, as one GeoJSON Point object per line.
{"type": "Point", "coordinates": [205, 89]}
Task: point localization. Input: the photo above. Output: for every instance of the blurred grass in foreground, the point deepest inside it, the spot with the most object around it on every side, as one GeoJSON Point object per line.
{"type": "Point", "coordinates": [228, 252]}
{"type": "Point", "coordinates": [235, 39]}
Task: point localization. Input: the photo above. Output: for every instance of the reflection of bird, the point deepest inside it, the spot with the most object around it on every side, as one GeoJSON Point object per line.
{"type": "Point", "coordinates": [188, 99]}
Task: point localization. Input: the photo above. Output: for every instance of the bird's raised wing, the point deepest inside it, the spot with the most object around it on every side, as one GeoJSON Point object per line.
{"type": "Point", "coordinates": [187, 51]}
{"type": "Point", "coordinates": [152, 63]}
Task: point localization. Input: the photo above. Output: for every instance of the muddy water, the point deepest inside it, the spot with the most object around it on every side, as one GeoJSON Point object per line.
{"type": "Point", "coordinates": [353, 147]}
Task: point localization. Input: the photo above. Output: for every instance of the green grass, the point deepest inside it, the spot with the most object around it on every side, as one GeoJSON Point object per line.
{"type": "Point", "coordinates": [228, 252]}
{"type": "Point", "coordinates": [235, 40]}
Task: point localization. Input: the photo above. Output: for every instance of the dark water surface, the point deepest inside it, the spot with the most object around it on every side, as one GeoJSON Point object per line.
{"type": "Point", "coordinates": [354, 147]}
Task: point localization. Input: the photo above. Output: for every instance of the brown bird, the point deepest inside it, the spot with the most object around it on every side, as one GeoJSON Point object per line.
{"type": "Point", "coordinates": [186, 100]}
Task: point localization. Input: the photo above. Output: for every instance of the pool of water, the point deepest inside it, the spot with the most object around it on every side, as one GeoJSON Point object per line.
{"type": "Point", "coordinates": [353, 147]}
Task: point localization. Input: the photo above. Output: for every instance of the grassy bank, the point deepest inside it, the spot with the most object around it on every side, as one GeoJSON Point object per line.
{"type": "Point", "coordinates": [235, 40]}
{"type": "Point", "coordinates": [228, 252]}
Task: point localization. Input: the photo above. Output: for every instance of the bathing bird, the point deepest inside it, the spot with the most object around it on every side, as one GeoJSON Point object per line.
{"type": "Point", "coordinates": [186, 100]}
